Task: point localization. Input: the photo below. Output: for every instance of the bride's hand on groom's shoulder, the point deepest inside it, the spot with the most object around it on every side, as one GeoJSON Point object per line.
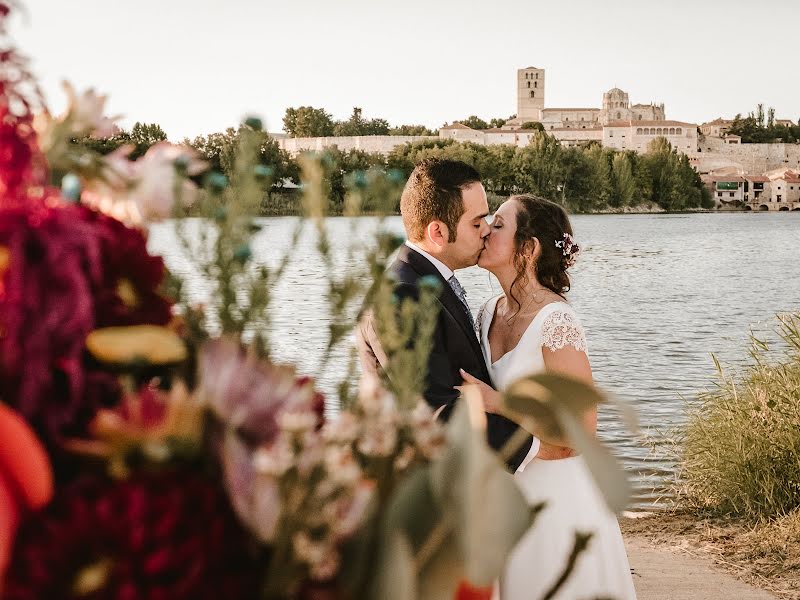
{"type": "Point", "coordinates": [492, 400]}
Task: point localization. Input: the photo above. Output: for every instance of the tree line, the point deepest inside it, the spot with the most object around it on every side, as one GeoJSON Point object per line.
{"type": "Point", "coordinates": [759, 127]}
{"type": "Point", "coordinates": [582, 178]}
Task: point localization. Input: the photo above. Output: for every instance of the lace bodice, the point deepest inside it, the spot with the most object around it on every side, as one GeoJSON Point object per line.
{"type": "Point", "coordinates": [555, 326]}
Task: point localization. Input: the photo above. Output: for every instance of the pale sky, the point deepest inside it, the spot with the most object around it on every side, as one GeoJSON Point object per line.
{"type": "Point", "coordinates": [198, 66]}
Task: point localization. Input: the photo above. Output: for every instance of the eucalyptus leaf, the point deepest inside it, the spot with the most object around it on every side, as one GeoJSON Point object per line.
{"type": "Point", "coordinates": [395, 578]}
{"type": "Point", "coordinates": [489, 512]}
{"type": "Point", "coordinates": [539, 396]}
{"type": "Point", "coordinates": [604, 468]}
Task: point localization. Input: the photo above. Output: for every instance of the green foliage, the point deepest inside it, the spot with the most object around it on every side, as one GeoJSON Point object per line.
{"type": "Point", "coordinates": [220, 151]}
{"type": "Point", "coordinates": [533, 125]}
{"type": "Point", "coordinates": [412, 130]}
{"type": "Point", "coordinates": [755, 129]}
{"type": "Point", "coordinates": [144, 135]}
{"type": "Point", "coordinates": [499, 121]}
{"type": "Point", "coordinates": [623, 180]}
{"type": "Point", "coordinates": [741, 447]}
{"type": "Point", "coordinates": [358, 125]}
{"type": "Point", "coordinates": [474, 122]}
{"type": "Point", "coordinates": [141, 136]}
{"type": "Point", "coordinates": [308, 121]}
{"type": "Point", "coordinates": [437, 532]}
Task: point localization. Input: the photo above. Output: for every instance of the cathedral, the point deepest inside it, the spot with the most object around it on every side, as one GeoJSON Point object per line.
{"type": "Point", "coordinates": [616, 107]}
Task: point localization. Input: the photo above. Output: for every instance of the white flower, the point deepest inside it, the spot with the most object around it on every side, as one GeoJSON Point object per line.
{"type": "Point", "coordinates": [297, 421]}
{"type": "Point", "coordinates": [373, 397]}
{"type": "Point", "coordinates": [341, 466]}
{"type": "Point", "coordinates": [344, 429]}
{"type": "Point", "coordinates": [351, 512]}
{"type": "Point", "coordinates": [273, 461]}
{"type": "Point", "coordinates": [404, 458]}
{"type": "Point", "coordinates": [378, 439]}
{"type": "Point", "coordinates": [327, 567]}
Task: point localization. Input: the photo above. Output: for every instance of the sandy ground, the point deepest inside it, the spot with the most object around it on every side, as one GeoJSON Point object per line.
{"type": "Point", "coordinates": [671, 573]}
{"type": "Point", "coordinates": [680, 555]}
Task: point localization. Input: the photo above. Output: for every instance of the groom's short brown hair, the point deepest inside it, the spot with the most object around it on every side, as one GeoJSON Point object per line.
{"type": "Point", "coordinates": [433, 193]}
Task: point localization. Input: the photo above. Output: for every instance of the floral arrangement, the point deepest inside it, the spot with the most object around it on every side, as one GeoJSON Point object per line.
{"type": "Point", "coordinates": [151, 449]}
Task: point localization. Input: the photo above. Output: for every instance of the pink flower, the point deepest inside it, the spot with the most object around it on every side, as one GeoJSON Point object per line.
{"type": "Point", "coordinates": [154, 193]}
{"type": "Point", "coordinates": [249, 394]}
{"type": "Point", "coordinates": [85, 113]}
{"type": "Point", "coordinates": [143, 191]}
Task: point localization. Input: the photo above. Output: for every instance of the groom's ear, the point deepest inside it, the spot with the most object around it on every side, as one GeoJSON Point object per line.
{"type": "Point", "coordinates": [438, 233]}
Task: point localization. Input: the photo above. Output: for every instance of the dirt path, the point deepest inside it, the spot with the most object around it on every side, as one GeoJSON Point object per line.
{"type": "Point", "coordinates": [671, 573]}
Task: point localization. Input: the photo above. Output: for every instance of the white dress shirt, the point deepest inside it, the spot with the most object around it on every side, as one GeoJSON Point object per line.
{"type": "Point", "coordinates": [446, 271]}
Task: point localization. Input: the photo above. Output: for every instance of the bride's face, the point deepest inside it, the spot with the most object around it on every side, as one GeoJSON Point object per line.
{"type": "Point", "coordinates": [499, 249]}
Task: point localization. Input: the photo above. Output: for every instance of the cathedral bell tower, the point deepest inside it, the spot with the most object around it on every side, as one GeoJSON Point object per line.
{"type": "Point", "coordinates": [530, 94]}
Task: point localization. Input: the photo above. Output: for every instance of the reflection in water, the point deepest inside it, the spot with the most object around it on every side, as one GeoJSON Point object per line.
{"type": "Point", "coordinates": [658, 294]}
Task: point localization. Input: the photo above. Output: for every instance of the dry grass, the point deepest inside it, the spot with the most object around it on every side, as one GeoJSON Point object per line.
{"type": "Point", "coordinates": [741, 446]}
{"type": "Point", "coordinates": [738, 496]}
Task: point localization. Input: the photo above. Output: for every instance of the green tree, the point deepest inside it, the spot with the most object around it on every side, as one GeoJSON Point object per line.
{"type": "Point", "coordinates": [219, 151]}
{"type": "Point", "coordinates": [412, 130]}
{"type": "Point", "coordinates": [144, 135]}
{"type": "Point", "coordinates": [533, 125]}
{"type": "Point", "coordinates": [307, 121]}
{"type": "Point", "coordinates": [475, 122]}
{"type": "Point", "coordinates": [358, 125]}
{"type": "Point", "coordinates": [600, 160]}
{"type": "Point", "coordinates": [624, 182]}
{"type": "Point", "coordinates": [538, 166]}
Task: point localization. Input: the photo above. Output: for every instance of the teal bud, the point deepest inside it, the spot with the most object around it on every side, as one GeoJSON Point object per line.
{"type": "Point", "coordinates": [217, 181]}
{"type": "Point", "coordinates": [243, 253]}
{"type": "Point", "coordinates": [254, 123]}
{"type": "Point", "coordinates": [181, 165]}
{"type": "Point", "coordinates": [220, 214]}
{"type": "Point", "coordinates": [396, 176]}
{"type": "Point", "coordinates": [359, 179]}
{"type": "Point", "coordinates": [71, 187]}
{"type": "Point", "coordinates": [430, 283]}
{"type": "Point", "coordinates": [263, 171]}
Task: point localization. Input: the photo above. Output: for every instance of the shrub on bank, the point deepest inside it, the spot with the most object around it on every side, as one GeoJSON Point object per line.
{"type": "Point", "coordinates": [741, 447]}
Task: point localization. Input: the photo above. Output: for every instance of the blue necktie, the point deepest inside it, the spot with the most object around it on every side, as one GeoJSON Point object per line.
{"type": "Point", "coordinates": [462, 295]}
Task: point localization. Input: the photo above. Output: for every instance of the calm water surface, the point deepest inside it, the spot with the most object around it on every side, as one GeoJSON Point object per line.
{"type": "Point", "coordinates": [657, 294]}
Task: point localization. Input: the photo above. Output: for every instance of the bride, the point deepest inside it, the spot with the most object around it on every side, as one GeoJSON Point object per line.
{"type": "Point", "coordinates": [528, 329]}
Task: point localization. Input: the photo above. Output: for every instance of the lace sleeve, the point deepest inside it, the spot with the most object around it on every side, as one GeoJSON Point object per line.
{"type": "Point", "coordinates": [562, 328]}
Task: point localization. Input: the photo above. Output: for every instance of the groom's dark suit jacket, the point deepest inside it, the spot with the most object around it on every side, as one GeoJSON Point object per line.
{"type": "Point", "coordinates": [455, 346]}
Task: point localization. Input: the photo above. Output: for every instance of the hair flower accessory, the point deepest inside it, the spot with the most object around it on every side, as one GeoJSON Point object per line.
{"type": "Point", "coordinates": [569, 249]}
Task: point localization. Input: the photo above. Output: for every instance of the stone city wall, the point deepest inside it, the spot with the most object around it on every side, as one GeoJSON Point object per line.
{"type": "Point", "coordinates": [368, 143]}
{"type": "Point", "coordinates": [714, 153]}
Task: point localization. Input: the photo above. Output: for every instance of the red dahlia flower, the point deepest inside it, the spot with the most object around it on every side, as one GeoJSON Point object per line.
{"type": "Point", "coordinates": [153, 537]}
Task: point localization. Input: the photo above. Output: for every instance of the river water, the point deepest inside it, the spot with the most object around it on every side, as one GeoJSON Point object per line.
{"type": "Point", "coordinates": [657, 294]}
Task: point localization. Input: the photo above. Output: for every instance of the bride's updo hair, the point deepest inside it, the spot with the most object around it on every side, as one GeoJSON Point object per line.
{"type": "Point", "coordinates": [548, 222]}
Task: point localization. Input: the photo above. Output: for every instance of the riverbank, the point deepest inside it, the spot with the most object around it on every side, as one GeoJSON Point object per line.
{"type": "Point", "coordinates": [684, 554]}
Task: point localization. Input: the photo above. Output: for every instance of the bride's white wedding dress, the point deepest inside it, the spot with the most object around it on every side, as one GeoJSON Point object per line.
{"type": "Point", "coordinates": [573, 501]}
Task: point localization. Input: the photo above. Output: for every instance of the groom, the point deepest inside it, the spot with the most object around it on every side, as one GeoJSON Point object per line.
{"type": "Point", "coordinates": [444, 211]}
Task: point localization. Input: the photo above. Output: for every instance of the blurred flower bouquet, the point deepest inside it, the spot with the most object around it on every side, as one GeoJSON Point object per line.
{"type": "Point", "coordinates": [148, 454]}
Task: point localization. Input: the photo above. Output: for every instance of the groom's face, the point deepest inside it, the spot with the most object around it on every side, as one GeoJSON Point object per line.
{"type": "Point", "coordinates": [472, 228]}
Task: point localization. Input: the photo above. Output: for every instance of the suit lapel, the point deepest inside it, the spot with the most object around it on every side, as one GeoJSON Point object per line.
{"type": "Point", "coordinates": [451, 303]}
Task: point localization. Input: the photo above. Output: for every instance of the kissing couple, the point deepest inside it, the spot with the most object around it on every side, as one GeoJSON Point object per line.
{"type": "Point", "coordinates": [528, 329]}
